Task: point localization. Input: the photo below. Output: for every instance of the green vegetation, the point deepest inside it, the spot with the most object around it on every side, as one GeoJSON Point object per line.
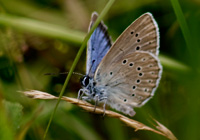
{"type": "Point", "coordinates": [38, 37]}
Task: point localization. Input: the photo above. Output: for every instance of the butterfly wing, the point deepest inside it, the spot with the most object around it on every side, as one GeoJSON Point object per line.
{"type": "Point", "coordinates": [131, 81]}
{"type": "Point", "coordinates": [98, 45]}
{"type": "Point", "coordinates": [128, 74]}
{"type": "Point", "coordinates": [141, 35]}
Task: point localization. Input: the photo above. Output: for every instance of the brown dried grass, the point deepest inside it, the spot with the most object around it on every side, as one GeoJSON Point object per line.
{"type": "Point", "coordinates": [159, 128]}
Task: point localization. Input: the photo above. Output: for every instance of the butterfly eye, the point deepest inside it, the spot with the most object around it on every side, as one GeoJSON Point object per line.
{"type": "Point", "coordinates": [85, 81]}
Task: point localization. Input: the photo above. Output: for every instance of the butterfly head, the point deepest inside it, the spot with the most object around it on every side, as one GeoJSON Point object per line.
{"type": "Point", "coordinates": [88, 86]}
{"type": "Point", "coordinates": [88, 82]}
{"type": "Point", "coordinates": [85, 80]}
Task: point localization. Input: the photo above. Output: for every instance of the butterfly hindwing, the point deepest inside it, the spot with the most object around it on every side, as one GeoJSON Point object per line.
{"type": "Point", "coordinates": [98, 45]}
{"type": "Point", "coordinates": [130, 82]}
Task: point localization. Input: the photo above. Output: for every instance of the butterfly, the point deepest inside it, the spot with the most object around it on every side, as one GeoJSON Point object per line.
{"type": "Point", "coordinates": [126, 74]}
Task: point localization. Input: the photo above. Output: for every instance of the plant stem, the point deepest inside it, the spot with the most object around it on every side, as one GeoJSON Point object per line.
{"type": "Point", "coordinates": [183, 24]}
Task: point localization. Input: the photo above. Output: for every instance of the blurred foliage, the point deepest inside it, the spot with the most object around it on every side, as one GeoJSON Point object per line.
{"type": "Point", "coordinates": [43, 36]}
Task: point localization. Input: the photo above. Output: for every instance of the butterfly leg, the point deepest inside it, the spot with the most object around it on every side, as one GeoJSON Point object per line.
{"type": "Point", "coordinates": [96, 98]}
{"type": "Point", "coordinates": [104, 105]}
{"type": "Point", "coordinates": [80, 93]}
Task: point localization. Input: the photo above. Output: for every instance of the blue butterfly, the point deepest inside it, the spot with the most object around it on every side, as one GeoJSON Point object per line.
{"type": "Point", "coordinates": [126, 74]}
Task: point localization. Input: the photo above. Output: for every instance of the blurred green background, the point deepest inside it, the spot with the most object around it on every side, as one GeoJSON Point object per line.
{"type": "Point", "coordinates": [43, 36]}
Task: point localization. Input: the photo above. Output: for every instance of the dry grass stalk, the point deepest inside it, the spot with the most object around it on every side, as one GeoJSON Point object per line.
{"type": "Point", "coordinates": [161, 129]}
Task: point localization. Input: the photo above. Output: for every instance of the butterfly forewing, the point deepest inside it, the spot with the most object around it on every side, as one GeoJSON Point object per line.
{"type": "Point", "coordinates": [98, 45]}
{"type": "Point", "coordinates": [141, 35]}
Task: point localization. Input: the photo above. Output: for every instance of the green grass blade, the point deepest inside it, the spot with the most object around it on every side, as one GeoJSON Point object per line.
{"type": "Point", "coordinates": [183, 24]}
{"type": "Point", "coordinates": [173, 64]}
{"type": "Point", "coordinates": [42, 28]}
{"type": "Point", "coordinates": [103, 13]}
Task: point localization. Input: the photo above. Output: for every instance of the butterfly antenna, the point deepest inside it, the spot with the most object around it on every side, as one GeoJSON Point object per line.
{"type": "Point", "coordinates": [76, 73]}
